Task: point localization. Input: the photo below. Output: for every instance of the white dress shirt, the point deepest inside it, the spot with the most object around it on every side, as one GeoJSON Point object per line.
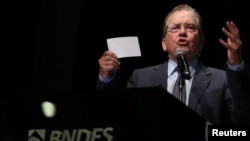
{"type": "Point", "coordinates": [173, 74]}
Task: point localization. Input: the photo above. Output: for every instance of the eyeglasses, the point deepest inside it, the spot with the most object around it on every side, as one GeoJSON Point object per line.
{"type": "Point", "coordinates": [173, 28]}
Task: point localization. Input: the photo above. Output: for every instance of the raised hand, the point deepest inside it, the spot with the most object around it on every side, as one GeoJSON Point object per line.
{"type": "Point", "coordinates": [233, 43]}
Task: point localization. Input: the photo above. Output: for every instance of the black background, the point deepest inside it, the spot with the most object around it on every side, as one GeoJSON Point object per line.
{"type": "Point", "coordinates": [53, 46]}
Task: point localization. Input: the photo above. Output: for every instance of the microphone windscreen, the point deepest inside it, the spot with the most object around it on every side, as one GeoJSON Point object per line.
{"type": "Point", "coordinates": [178, 52]}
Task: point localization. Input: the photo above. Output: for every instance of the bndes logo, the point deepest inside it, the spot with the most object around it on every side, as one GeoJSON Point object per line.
{"type": "Point", "coordinates": [97, 134]}
{"type": "Point", "coordinates": [36, 135]}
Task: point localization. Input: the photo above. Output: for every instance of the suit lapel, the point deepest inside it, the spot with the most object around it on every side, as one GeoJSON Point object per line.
{"type": "Point", "coordinates": [160, 76]}
{"type": "Point", "coordinates": [200, 82]}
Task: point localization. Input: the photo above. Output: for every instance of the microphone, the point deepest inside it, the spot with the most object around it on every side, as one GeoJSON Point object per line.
{"type": "Point", "coordinates": [182, 64]}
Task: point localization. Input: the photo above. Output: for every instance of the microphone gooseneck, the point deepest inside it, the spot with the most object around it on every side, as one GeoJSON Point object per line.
{"type": "Point", "coordinates": [182, 64]}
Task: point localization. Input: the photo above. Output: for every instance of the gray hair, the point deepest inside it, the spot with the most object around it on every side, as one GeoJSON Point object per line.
{"type": "Point", "coordinates": [184, 7]}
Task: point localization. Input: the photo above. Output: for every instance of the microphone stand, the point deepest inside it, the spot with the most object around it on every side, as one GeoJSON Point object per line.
{"type": "Point", "coordinates": [181, 83]}
{"type": "Point", "coordinates": [184, 74]}
{"type": "Point", "coordinates": [183, 70]}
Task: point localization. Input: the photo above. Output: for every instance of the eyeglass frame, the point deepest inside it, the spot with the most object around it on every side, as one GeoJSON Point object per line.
{"type": "Point", "coordinates": [189, 27]}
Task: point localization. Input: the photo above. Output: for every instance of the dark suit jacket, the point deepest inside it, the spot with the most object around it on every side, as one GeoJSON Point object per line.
{"type": "Point", "coordinates": [213, 96]}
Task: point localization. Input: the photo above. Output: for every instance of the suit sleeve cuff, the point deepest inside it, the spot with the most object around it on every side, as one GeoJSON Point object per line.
{"type": "Point", "coordinates": [104, 80]}
{"type": "Point", "coordinates": [235, 67]}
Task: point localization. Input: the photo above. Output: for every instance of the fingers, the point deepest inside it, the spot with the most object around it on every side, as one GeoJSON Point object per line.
{"type": "Point", "coordinates": [233, 42]}
{"type": "Point", "coordinates": [232, 28]}
{"type": "Point", "coordinates": [231, 31]}
{"type": "Point", "coordinates": [108, 64]}
{"type": "Point", "coordinates": [223, 43]}
{"type": "Point", "coordinates": [233, 36]}
{"type": "Point", "coordinates": [109, 59]}
{"type": "Point", "coordinates": [109, 53]}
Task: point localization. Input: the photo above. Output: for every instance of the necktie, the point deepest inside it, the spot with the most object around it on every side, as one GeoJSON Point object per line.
{"type": "Point", "coordinates": [179, 90]}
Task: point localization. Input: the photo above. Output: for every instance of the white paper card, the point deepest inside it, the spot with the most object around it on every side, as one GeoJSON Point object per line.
{"type": "Point", "coordinates": [124, 46]}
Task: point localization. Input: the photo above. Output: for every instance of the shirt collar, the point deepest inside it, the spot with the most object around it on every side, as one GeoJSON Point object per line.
{"type": "Point", "coordinates": [172, 65]}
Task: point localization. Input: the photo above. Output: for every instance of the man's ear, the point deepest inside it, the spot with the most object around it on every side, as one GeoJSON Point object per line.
{"type": "Point", "coordinates": [164, 47]}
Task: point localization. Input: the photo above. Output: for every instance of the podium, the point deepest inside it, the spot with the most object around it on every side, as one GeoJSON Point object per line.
{"type": "Point", "coordinates": [142, 114]}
